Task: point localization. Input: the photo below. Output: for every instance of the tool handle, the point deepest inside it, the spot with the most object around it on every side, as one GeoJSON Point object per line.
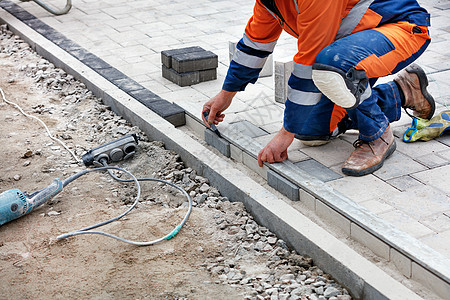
{"type": "Point", "coordinates": [40, 197]}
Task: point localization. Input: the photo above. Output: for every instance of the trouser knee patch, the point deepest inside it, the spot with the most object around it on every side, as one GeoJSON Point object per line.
{"type": "Point", "coordinates": [344, 89]}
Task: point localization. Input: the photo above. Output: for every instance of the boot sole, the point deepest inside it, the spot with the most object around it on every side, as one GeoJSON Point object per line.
{"type": "Point", "coordinates": [373, 168]}
{"type": "Point", "coordinates": [423, 81]}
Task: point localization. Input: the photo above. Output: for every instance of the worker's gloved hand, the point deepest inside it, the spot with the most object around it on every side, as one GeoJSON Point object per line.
{"type": "Point", "coordinates": [425, 130]}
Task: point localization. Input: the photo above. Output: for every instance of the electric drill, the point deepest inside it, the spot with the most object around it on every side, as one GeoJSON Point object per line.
{"type": "Point", "coordinates": [14, 203]}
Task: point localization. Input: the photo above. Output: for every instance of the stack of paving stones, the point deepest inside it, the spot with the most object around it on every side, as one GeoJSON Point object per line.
{"type": "Point", "coordinates": [189, 66]}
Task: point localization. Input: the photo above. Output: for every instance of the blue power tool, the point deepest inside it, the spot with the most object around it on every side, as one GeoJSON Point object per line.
{"type": "Point", "coordinates": [14, 203]}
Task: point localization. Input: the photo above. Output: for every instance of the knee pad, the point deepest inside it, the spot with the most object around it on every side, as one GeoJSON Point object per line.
{"type": "Point", "coordinates": [347, 90]}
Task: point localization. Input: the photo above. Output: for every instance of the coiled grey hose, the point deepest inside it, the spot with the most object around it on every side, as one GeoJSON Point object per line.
{"type": "Point", "coordinates": [87, 230]}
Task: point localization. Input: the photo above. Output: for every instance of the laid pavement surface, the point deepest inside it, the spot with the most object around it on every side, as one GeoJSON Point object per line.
{"type": "Point", "coordinates": [411, 191]}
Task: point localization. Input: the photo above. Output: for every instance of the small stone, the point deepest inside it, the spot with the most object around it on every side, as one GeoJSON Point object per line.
{"type": "Point", "coordinates": [267, 248]}
{"type": "Point", "coordinates": [319, 290]}
{"type": "Point", "coordinates": [27, 154]}
{"type": "Point", "coordinates": [17, 177]}
{"type": "Point", "coordinates": [331, 292]}
{"type": "Point", "coordinates": [233, 230]}
{"type": "Point", "coordinates": [283, 296]}
{"type": "Point", "coordinates": [259, 246]}
{"type": "Point", "coordinates": [223, 277]}
{"type": "Point", "coordinates": [204, 188]}
{"type": "Point", "coordinates": [287, 278]}
{"type": "Point", "coordinates": [272, 240]}
{"type": "Point", "coordinates": [201, 198]}
{"type": "Point", "coordinates": [26, 163]}
{"type": "Point", "coordinates": [318, 283]}
{"type": "Point", "coordinates": [53, 213]}
{"type": "Point", "coordinates": [250, 229]}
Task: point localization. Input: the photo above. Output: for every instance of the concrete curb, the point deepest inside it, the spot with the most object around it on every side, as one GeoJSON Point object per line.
{"type": "Point", "coordinates": [361, 277]}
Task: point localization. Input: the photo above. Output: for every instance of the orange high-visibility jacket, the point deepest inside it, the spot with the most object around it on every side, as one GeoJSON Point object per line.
{"type": "Point", "coordinates": [316, 24]}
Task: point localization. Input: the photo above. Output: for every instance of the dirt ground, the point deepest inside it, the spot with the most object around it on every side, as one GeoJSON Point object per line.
{"type": "Point", "coordinates": [33, 265]}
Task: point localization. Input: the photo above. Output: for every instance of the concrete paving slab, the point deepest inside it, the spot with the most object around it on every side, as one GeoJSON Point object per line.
{"type": "Point", "coordinates": [439, 222]}
{"type": "Point", "coordinates": [432, 160]}
{"type": "Point", "coordinates": [376, 206]}
{"type": "Point", "coordinates": [417, 149]}
{"type": "Point", "coordinates": [247, 128]}
{"type": "Point", "coordinates": [398, 165]}
{"type": "Point", "coordinates": [413, 201]}
{"type": "Point", "coordinates": [406, 223]}
{"type": "Point", "coordinates": [262, 115]}
{"type": "Point", "coordinates": [363, 188]}
{"type": "Point", "coordinates": [404, 183]}
{"type": "Point", "coordinates": [439, 242]}
{"type": "Point", "coordinates": [318, 170]}
{"type": "Point", "coordinates": [438, 178]}
{"type": "Point", "coordinates": [333, 153]}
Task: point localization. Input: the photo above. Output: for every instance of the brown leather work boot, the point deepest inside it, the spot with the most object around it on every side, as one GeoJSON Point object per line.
{"type": "Point", "coordinates": [369, 156]}
{"type": "Point", "coordinates": [413, 83]}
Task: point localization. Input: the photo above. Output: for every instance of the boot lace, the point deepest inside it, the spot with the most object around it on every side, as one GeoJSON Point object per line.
{"type": "Point", "coordinates": [358, 143]}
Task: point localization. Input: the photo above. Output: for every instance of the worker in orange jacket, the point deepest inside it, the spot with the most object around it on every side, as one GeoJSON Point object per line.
{"type": "Point", "coordinates": [344, 46]}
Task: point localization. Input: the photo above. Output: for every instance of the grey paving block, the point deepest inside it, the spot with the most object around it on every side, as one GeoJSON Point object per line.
{"type": "Point", "coordinates": [247, 128]}
{"type": "Point", "coordinates": [398, 165]}
{"type": "Point", "coordinates": [207, 75]}
{"type": "Point", "coordinates": [443, 6]}
{"type": "Point", "coordinates": [38, 25]}
{"type": "Point", "coordinates": [194, 61]}
{"type": "Point", "coordinates": [316, 169]}
{"type": "Point", "coordinates": [445, 139]}
{"type": "Point", "coordinates": [169, 111]}
{"type": "Point", "coordinates": [181, 79]}
{"type": "Point", "coordinates": [95, 63]}
{"type": "Point", "coordinates": [111, 74]}
{"type": "Point", "coordinates": [283, 185]}
{"type": "Point", "coordinates": [23, 15]}
{"type": "Point", "coordinates": [166, 55]}
{"type": "Point", "coordinates": [56, 37]}
{"type": "Point", "coordinates": [404, 183]}
{"type": "Point", "coordinates": [127, 85]}
{"type": "Point", "coordinates": [437, 177]}
{"type": "Point", "coordinates": [68, 45]}
{"type": "Point", "coordinates": [81, 53]}
{"type": "Point", "coordinates": [431, 160]}
{"type": "Point", "coordinates": [222, 145]}
{"type": "Point", "coordinates": [144, 96]}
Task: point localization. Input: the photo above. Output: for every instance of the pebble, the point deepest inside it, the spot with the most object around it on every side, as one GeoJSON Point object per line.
{"type": "Point", "coordinates": [331, 292]}
{"type": "Point", "coordinates": [204, 188]}
{"type": "Point", "coordinates": [17, 177]}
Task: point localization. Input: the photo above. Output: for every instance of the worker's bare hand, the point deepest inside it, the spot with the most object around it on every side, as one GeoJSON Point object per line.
{"type": "Point", "coordinates": [276, 149]}
{"type": "Point", "coordinates": [216, 106]}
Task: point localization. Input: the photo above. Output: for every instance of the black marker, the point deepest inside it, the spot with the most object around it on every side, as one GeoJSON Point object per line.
{"type": "Point", "coordinates": [213, 126]}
